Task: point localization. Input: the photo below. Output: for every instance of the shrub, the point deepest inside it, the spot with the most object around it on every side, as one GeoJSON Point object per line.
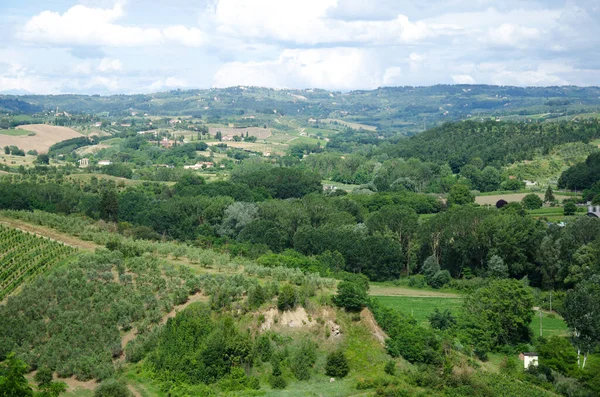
{"type": "Point", "coordinates": [441, 320]}
{"type": "Point", "coordinates": [264, 348]}
{"type": "Point", "coordinates": [288, 297]}
{"type": "Point", "coordinates": [570, 208]}
{"type": "Point", "coordinates": [277, 382]}
{"type": "Point", "coordinates": [440, 279]}
{"type": "Point", "coordinates": [257, 296]}
{"type": "Point", "coordinates": [303, 359]}
{"type": "Point", "coordinates": [112, 388]}
{"type": "Point", "coordinates": [390, 367]}
{"type": "Point", "coordinates": [430, 268]}
{"type": "Point", "coordinates": [532, 202]}
{"type": "Point", "coordinates": [351, 296]}
{"type": "Point", "coordinates": [337, 365]}
{"type": "Point", "coordinates": [417, 281]}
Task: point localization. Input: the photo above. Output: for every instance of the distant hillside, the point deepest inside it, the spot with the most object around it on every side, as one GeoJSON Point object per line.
{"type": "Point", "coordinates": [390, 109]}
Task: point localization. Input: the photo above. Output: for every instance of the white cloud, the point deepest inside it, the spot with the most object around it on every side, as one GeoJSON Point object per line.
{"type": "Point", "coordinates": [523, 75]}
{"type": "Point", "coordinates": [511, 35]}
{"type": "Point", "coordinates": [190, 37]}
{"type": "Point", "coordinates": [82, 68]}
{"type": "Point", "coordinates": [109, 65]}
{"type": "Point", "coordinates": [332, 68]}
{"type": "Point", "coordinates": [168, 83]}
{"type": "Point", "coordinates": [20, 79]}
{"type": "Point", "coordinates": [463, 79]}
{"type": "Point", "coordinates": [306, 22]}
{"type": "Point", "coordinates": [82, 26]}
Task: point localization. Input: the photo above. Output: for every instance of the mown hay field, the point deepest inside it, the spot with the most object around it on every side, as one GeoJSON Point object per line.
{"type": "Point", "coordinates": [43, 136]}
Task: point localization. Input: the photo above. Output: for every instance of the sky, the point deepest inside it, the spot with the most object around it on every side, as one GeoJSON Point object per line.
{"type": "Point", "coordinates": [140, 46]}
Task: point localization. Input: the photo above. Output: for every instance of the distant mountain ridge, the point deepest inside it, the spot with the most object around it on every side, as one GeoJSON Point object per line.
{"type": "Point", "coordinates": [405, 109]}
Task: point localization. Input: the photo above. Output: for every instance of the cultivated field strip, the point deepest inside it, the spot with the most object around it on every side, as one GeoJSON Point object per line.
{"type": "Point", "coordinates": [24, 256]}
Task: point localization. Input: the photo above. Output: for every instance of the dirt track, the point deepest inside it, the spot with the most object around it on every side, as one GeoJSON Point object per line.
{"type": "Point", "coordinates": [377, 290]}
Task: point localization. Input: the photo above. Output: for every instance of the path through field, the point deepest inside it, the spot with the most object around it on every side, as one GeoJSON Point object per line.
{"type": "Point", "coordinates": [378, 290]}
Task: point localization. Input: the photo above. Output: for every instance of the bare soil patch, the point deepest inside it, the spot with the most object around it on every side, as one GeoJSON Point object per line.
{"type": "Point", "coordinates": [45, 136]}
{"type": "Point", "coordinates": [367, 317]}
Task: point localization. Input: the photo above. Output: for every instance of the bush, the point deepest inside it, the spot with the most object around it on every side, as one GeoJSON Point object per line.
{"type": "Point", "coordinates": [351, 296]}
{"type": "Point", "coordinates": [430, 268]}
{"type": "Point", "coordinates": [441, 320]}
{"type": "Point", "coordinates": [288, 297]}
{"type": "Point", "coordinates": [440, 279]}
{"type": "Point", "coordinates": [264, 348]}
{"type": "Point", "coordinates": [337, 365]}
{"type": "Point", "coordinates": [303, 359]}
{"type": "Point", "coordinates": [390, 367]}
{"type": "Point", "coordinates": [570, 208]}
{"type": "Point", "coordinates": [417, 281]}
{"type": "Point", "coordinates": [277, 382]}
{"type": "Point", "coordinates": [112, 388]}
{"type": "Point", "coordinates": [532, 202]}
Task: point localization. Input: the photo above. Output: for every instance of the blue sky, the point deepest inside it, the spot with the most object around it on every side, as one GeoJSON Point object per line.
{"type": "Point", "coordinates": [140, 46]}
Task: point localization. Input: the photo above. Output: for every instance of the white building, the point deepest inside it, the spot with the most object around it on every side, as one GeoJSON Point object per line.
{"type": "Point", "coordinates": [529, 359]}
{"type": "Point", "coordinates": [104, 162]}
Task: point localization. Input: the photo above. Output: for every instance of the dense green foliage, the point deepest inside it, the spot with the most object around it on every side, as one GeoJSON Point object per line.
{"type": "Point", "coordinates": [498, 315]}
{"type": "Point", "coordinates": [48, 323]}
{"type": "Point", "coordinates": [351, 295]}
{"type": "Point", "coordinates": [493, 142]}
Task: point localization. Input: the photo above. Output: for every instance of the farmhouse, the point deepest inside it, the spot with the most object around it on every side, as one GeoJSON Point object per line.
{"type": "Point", "coordinates": [529, 359]}
{"type": "Point", "coordinates": [594, 211]}
{"type": "Point", "coordinates": [104, 162]}
{"type": "Point", "coordinates": [199, 166]}
{"type": "Point", "coordinates": [167, 143]}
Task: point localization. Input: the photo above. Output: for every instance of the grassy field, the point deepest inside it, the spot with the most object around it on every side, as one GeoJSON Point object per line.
{"type": "Point", "coordinates": [13, 132]}
{"type": "Point", "coordinates": [421, 307]}
{"type": "Point", "coordinates": [552, 325]}
{"type": "Point", "coordinates": [15, 161]}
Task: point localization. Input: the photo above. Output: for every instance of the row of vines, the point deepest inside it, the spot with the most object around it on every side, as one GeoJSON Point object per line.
{"type": "Point", "coordinates": [24, 256]}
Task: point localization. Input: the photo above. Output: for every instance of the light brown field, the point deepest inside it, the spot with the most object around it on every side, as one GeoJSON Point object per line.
{"type": "Point", "coordinates": [45, 136]}
{"type": "Point", "coordinates": [255, 146]}
{"type": "Point", "coordinates": [354, 126]}
{"type": "Point", "coordinates": [260, 133]}
{"type": "Point", "coordinates": [492, 200]}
